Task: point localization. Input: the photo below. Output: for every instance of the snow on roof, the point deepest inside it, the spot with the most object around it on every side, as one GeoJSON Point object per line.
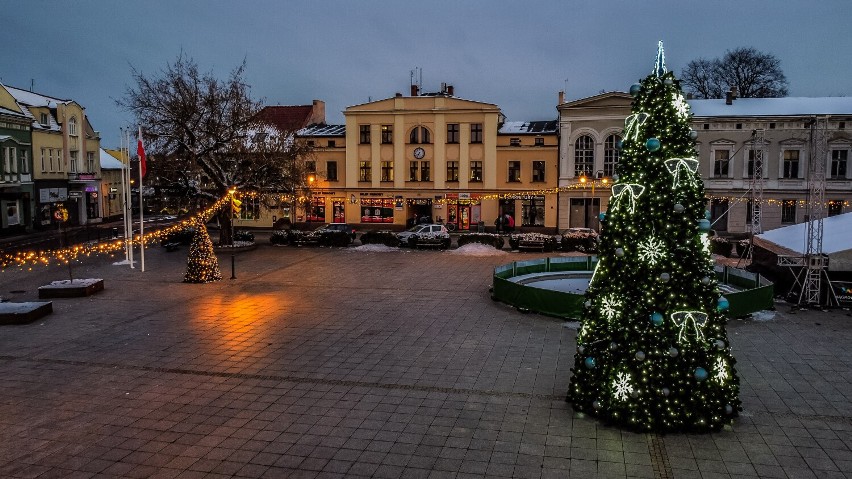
{"type": "Point", "coordinates": [34, 99]}
{"type": "Point", "coordinates": [323, 130]}
{"type": "Point", "coordinates": [789, 106]}
{"type": "Point", "coordinates": [6, 111]}
{"type": "Point", "coordinates": [837, 235]}
{"type": "Point", "coordinates": [109, 162]}
{"type": "Point", "coordinates": [526, 127]}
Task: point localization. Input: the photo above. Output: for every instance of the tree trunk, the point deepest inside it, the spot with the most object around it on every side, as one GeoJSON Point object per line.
{"type": "Point", "coordinates": [226, 236]}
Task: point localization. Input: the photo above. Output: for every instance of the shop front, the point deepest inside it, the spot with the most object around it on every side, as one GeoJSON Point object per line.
{"type": "Point", "coordinates": [464, 210]}
{"type": "Point", "coordinates": [377, 210]}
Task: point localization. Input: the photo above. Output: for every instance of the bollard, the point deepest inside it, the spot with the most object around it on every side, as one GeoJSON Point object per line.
{"type": "Point", "coordinates": [233, 267]}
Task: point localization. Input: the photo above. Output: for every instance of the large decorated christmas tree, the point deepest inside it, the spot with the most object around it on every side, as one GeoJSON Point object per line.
{"type": "Point", "coordinates": [202, 266]}
{"type": "Point", "coordinates": [653, 353]}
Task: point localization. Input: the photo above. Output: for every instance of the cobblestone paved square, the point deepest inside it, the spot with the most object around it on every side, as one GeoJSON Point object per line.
{"type": "Point", "coordinates": [319, 362]}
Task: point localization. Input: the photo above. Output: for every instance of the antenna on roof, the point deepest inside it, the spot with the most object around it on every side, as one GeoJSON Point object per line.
{"type": "Point", "coordinates": [32, 84]}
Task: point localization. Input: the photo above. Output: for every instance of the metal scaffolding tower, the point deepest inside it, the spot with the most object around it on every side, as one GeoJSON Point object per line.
{"type": "Point", "coordinates": [815, 261]}
{"type": "Point", "coordinates": [758, 140]}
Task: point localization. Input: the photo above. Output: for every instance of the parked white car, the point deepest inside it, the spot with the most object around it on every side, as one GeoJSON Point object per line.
{"type": "Point", "coordinates": [425, 235]}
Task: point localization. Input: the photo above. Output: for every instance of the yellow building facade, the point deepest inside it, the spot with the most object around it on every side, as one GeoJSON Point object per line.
{"type": "Point", "coordinates": [432, 157]}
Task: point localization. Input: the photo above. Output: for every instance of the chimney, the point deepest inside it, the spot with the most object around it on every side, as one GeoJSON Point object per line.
{"type": "Point", "coordinates": [414, 90]}
{"type": "Point", "coordinates": [734, 92]}
{"type": "Point", "coordinates": [443, 88]}
{"type": "Point", "coordinates": [318, 113]}
{"type": "Point", "coordinates": [450, 90]}
{"type": "Point", "coordinates": [729, 97]}
{"type": "Point", "coordinates": [561, 97]}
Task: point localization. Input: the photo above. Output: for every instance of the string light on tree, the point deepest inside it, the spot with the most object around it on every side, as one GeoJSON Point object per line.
{"type": "Point", "coordinates": [654, 293]}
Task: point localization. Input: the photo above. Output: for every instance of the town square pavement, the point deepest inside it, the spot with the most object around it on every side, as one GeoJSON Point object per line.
{"type": "Point", "coordinates": [318, 362]}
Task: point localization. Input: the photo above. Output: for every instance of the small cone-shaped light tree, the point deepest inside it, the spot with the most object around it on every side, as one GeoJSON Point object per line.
{"type": "Point", "coordinates": [202, 266]}
{"type": "Point", "coordinates": [653, 352]}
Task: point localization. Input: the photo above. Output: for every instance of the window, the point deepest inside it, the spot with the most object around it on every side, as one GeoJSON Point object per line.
{"type": "Point", "coordinates": [72, 126]}
{"type": "Point", "coordinates": [60, 161]}
{"type": "Point", "coordinates": [413, 168]}
{"type": "Point", "coordinates": [539, 141]}
{"type": "Point", "coordinates": [452, 133]}
{"type": "Point", "coordinates": [365, 171]}
{"type": "Point", "coordinates": [452, 171]}
{"type": "Point", "coordinates": [791, 164]}
{"type": "Point", "coordinates": [752, 154]}
{"type": "Point", "coordinates": [788, 211]}
{"type": "Point", "coordinates": [532, 211]}
{"type": "Point", "coordinates": [8, 152]}
{"type": "Point", "coordinates": [250, 209]}
{"type": "Point", "coordinates": [377, 210]}
{"type": "Point", "coordinates": [514, 142]}
{"type": "Point", "coordinates": [90, 162]}
{"type": "Point", "coordinates": [420, 134]}
{"type": "Point", "coordinates": [387, 134]}
{"type": "Point", "coordinates": [43, 119]}
{"type": "Point", "coordinates": [75, 167]}
{"type": "Point", "coordinates": [387, 171]}
{"type": "Point", "coordinates": [611, 154]}
{"type": "Point", "coordinates": [331, 170]}
{"type": "Point", "coordinates": [311, 143]}
{"type": "Point", "coordinates": [25, 163]}
{"type": "Point", "coordinates": [338, 211]}
{"type": "Point", "coordinates": [835, 207]}
{"type": "Point", "coordinates": [721, 161]}
{"type": "Point", "coordinates": [584, 156]}
{"type": "Point", "coordinates": [50, 156]}
{"type": "Point", "coordinates": [514, 171]}
{"type": "Point", "coordinates": [538, 170]}
{"type": "Point", "coordinates": [316, 209]}
{"type": "Point", "coordinates": [475, 171]}
{"type": "Point", "coordinates": [44, 160]}
{"type": "Point", "coordinates": [311, 166]}
{"type": "Point", "coordinates": [424, 171]}
{"type": "Point", "coordinates": [838, 163]}
{"type": "Point", "coordinates": [332, 143]}
{"type": "Point", "coordinates": [476, 132]}
{"type": "Point", "coordinates": [364, 134]}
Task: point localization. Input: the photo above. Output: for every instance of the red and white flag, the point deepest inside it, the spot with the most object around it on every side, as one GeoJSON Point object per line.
{"type": "Point", "coordinates": [140, 150]}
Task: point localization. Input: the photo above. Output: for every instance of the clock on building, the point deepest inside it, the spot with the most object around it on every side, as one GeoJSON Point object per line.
{"type": "Point", "coordinates": [419, 152]}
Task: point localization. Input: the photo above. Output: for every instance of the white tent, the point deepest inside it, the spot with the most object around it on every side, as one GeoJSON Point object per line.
{"type": "Point", "coordinates": [836, 242]}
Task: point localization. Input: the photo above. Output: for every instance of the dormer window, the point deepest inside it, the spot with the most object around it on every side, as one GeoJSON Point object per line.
{"type": "Point", "coordinates": [43, 119]}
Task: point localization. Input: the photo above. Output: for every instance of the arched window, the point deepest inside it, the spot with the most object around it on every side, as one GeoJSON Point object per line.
{"type": "Point", "coordinates": [420, 134]}
{"type": "Point", "coordinates": [584, 156]}
{"type": "Point", "coordinates": [72, 126]}
{"type": "Point", "coordinates": [611, 154]}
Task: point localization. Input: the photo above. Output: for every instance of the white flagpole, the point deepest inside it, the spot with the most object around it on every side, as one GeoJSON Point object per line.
{"type": "Point", "coordinates": [141, 218]}
{"type": "Point", "coordinates": [125, 196]}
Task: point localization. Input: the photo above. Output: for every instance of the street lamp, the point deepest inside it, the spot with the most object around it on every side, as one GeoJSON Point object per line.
{"type": "Point", "coordinates": [231, 191]}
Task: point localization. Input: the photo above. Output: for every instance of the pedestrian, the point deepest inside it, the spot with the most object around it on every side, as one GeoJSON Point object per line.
{"type": "Point", "coordinates": [499, 224]}
{"type": "Point", "coordinates": [510, 223]}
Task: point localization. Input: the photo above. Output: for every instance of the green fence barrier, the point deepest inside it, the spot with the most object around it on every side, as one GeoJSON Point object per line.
{"type": "Point", "coordinates": [756, 294]}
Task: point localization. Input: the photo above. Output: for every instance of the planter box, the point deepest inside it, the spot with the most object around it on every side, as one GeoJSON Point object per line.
{"type": "Point", "coordinates": [71, 288]}
{"type": "Point", "coordinates": [23, 313]}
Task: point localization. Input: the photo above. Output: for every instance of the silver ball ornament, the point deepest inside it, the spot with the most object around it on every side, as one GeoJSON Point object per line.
{"type": "Point", "coordinates": [678, 208]}
{"type": "Point", "coordinates": [596, 404]}
{"type": "Point", "coordinates": [634, 394]}
{"type": "Point", "coordinates": [693, 134]}
{"type": "Point", "coordinates": [613, 346]}
{"type": "Point", "coordinates": [668, 81]}
{"type": "Point", "coordinates": [705, 280]}
{"type": "Point", "coordinates": [720, 344]}
{"type": "Point", "coordinates": [619, 252]}
{"type": "Point", "coordinates": [640, 355]}
{"type": "Point", "coordinates": [666, 392]}
{"type": "Point", "coordinates": [588, 304]}
{"type": "Point", "coordinates": [729, 409]}
{"type": "Point", "coordinates": [665, 277]}
{"type": "Point", "coordinates": [673, 352]}
{"type": "Point", "coordinates": [581, 349]}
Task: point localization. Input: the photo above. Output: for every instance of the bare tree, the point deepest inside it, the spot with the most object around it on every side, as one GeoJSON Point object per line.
{"type": "Point", "coordinates": [203, 137]}
{"type": "Point", "coordinates": [754, 73]}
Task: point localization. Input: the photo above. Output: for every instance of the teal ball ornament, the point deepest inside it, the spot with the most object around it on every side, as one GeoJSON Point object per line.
{"type": "Point", "coordinates": [653, 144]}
{"type": "Point", "coordinates": [602, 216]}
{"type": "Point", "coordinates": [656, 319]}
{"type": "Point", "coordinates": [635, 89]}
{"type": "Point", "coordinates": [722, 303]}
{"type": "Point", "coordinates": [707, 214]}
{"type": "Point", "coordinates": [703, 226]}
{"type": "Point", "coordinates": [700, 374]}
{"type": "Point", "coordinates": [590, 363]}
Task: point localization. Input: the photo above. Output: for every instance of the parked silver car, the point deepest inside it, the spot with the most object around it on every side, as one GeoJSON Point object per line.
{"type": "Point", "coordinates": [425, 235]}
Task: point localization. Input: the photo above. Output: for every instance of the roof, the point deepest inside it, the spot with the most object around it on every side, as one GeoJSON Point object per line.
{"type": "Point", "coordinates": [837, 235]}
{"type": "Point", "coordinates": [528, 127]}
{"type": "Point", "coordinates": [8, 112]}
{"type": "Point", "coordinates": [287, 117]}
{"type": "Point", "coordinates": [110, 162]}
{"type": "Point", "coordinates": [34, 99]}
{"type": "Point", "coordinates": [788, 106]}
{"type": "Point", "coordinates": [323, 130]}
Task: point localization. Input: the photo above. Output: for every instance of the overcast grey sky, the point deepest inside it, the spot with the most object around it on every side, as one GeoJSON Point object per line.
{"type": "Point", "coordinates": [516, 54]}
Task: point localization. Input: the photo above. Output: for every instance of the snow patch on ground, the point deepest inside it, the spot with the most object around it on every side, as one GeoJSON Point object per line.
{"type": "Point", "coordinates": [575, 325]}
{"type": "Point", "coordinates": [373, 248]}
{"type": "Point", "coordinates": [763, 316]}
{"type": "Point", "coordinates": [477, 249]}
